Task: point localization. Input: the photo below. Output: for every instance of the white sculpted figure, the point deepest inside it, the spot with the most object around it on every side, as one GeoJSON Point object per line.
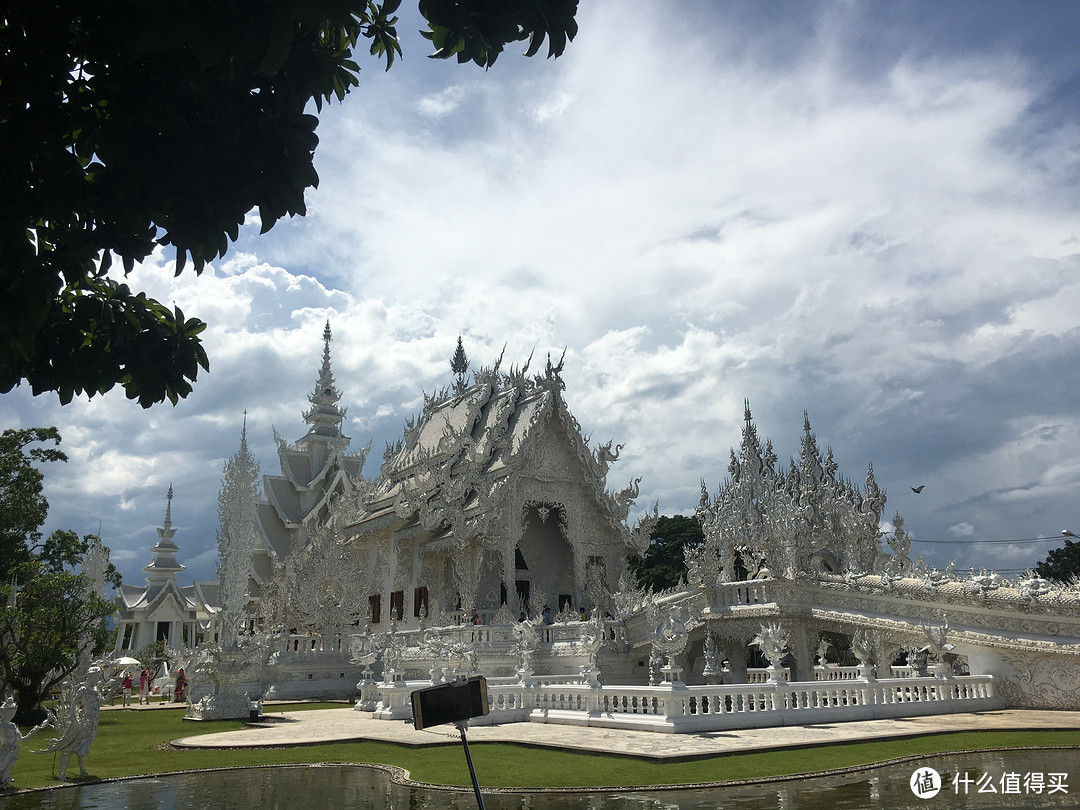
{"type": "Point", "coordinates": [591, 639]}
{"type": "Point", "coordinates": [772, 640]}
{"type": "Point", "coordinates": [670, 639]}
{"type": "Point", "coordinates": [863, 647]}
{"type": "Point", "coordinates": [526, 638]}
{"type": "Point", "coordinates": [9, 741]}
{"type": "Point", "coordinates": [984, 582]}
{"type": "Point", "coordinates": [76, 722]}
{"type": "Point", "coordinates": [1033, 586]}
{"type": "Point", "coordinates": [822, 651]}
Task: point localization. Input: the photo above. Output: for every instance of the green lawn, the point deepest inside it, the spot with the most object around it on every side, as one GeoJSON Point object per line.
{"type": "Point", "coordinates": [136, 743]}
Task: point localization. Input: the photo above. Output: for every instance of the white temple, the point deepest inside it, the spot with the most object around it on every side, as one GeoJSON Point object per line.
{"type": "Point", "coordinates": [492, 506]}
{"type": "Point", "coordinates": [162, 610]}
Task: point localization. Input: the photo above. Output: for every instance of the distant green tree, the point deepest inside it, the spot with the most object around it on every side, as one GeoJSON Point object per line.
{"type": "Point", "coordinates": [52, 625]}
{"type": "Point", "coordinates": [1061, 564]}
{"type": "Point", "coordinates": [128, 124]}
{"type": "Point", "coordinates": [153, 655]}
{"type": "Point", "coordinates": [49, 619]}
{"type": "Point", "coordinates": [23, 507]}
{"type": "Point", "coordinates": [663, 565]}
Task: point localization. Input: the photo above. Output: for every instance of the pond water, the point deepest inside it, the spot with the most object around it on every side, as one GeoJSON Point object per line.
{"type": "Point", "coordinates": [1019, 779]}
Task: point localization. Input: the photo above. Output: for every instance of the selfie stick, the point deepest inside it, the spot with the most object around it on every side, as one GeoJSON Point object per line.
{"type": "Point", "coordinates": [462, 725]}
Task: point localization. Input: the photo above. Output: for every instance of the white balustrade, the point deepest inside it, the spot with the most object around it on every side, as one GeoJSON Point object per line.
{"type": "Point", "coordinates": [306, 644]}
{"type": "Point", "coordinates": [836, 673]}
{"type": "Point", "coordinates": [732, 594]}
{"type": "Point", "coordinates": [761, 675]}
{"type": "Point", "coordinates": [680, 708]}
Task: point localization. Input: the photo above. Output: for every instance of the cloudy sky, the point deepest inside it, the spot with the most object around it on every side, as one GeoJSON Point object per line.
{"type": "Point", "coordinates": [865, 211]}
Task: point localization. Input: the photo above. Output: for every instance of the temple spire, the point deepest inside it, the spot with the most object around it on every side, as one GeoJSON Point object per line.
{"type": "Point", "coordinates": [166, 529]}
{"type": "Point", "coordinates": [164, 567]}
{"type": "Point", "coordinates": [459, 363]}
{"type": "Point", "coordinates": [243, 438]}
{"type": "Point", "coordinates": [324, 418]}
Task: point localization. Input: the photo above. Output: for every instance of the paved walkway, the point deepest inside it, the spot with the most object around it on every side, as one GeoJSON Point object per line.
{"type": "Point", "coordinates": [348, 725]}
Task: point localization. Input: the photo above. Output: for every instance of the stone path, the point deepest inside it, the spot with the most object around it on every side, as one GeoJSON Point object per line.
{"type": "Point", "coordinates": [348, 725]}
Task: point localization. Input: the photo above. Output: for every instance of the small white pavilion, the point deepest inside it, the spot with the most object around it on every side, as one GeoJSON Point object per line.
{"type": "Point", "coordinates": [162, 610]}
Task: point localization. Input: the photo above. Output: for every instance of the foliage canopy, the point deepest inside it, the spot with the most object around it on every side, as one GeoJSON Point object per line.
{"type": "Point", "coordinates": [664, 563]}
{"type": "Point", "coordinates": [49, 618]}
{"type": "Point", "coordinates": [129, 124]}
{"type": "Point", "coordinates": [1061, 564]}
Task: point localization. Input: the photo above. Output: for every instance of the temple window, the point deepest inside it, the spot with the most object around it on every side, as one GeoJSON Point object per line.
{"type": "Point", "coordinates": [420, 601]}
{"type": "Point", "coordinates": [397, 605]}
{"type": "Point", "coordinates": [523, 587]}
{"type": "Point", "coordinates": [375, 601]}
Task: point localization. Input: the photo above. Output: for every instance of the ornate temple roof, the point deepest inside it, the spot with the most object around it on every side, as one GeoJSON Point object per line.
{"type": "Point", "coordinates": [788, 524]}
{"type": "Point", "coordinates": [314, 469]}
{"type": "Point", "coordinates": [447, 469]}
{"type": "Point", "coordinates": [454, 458]}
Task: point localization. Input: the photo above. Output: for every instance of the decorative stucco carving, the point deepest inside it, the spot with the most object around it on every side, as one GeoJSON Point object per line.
{"type": "Point", "coordinates": [237, 505]}
{"type": "Point", "coordinates": [1042, 681]}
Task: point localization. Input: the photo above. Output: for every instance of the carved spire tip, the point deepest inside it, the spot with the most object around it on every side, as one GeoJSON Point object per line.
{"type": "Point", "coordinates": [168, 507]}
{"type": "Point", "coordinates": [459, 363]}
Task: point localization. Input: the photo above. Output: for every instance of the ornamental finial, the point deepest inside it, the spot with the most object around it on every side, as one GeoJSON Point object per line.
{"type": "Point", "coordinates": [168, 509]}
{"type": "Point", "coordinates": [459, 363]}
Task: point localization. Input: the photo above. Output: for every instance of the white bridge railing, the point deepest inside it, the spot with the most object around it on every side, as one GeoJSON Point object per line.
{"type": "Point", "coordinates": [679, 708]}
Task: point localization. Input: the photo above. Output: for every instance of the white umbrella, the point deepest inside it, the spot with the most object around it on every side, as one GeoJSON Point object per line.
{"type": "Point", "coordinates": [126, 661]}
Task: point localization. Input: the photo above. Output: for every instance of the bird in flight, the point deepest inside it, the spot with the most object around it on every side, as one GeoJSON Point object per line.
{"type": "Point", "coordinates": [918, 489]}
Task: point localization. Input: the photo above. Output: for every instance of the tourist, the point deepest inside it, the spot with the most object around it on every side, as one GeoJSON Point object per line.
{"type": "Point", "coordinates": [144, 686]}
{"type": "Point", "coordinates": [181, 684]}
{"type": "Point", "coordinates": [476, 617]}
{"type": "Point", "coordinates": [547, 615]}
{"type": "Point", "coordinates": [583, 617]}
{"type": "Point", "coordinates": [126, 686]}
{"type": "Point", "coordinates": [521, 616]}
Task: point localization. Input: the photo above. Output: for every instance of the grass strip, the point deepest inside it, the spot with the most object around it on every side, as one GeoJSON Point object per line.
{"type": "Point", "coordinates": [137, 743]}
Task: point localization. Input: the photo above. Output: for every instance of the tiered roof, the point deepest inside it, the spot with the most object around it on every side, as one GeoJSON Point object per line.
{"type": "Point", "coordinates": [161, 582]}
{"type": "Point", "coordinates": [454, 458]}
{"type": "Point", "coordinates": [313, 470]}
{"type": "Point", "coordinates": [164, 567]}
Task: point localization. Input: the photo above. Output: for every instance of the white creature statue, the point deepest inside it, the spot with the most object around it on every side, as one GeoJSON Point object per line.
{"type": "Point", "coordinates": [9, 741]}
{"type": "Point", "coordinates": [772, 640]}
{"type": "Point", "coordinates": [75, 722]}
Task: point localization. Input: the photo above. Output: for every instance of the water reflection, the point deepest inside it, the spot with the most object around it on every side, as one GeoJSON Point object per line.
{"type": "Point", "coordinates": [336, 786]}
